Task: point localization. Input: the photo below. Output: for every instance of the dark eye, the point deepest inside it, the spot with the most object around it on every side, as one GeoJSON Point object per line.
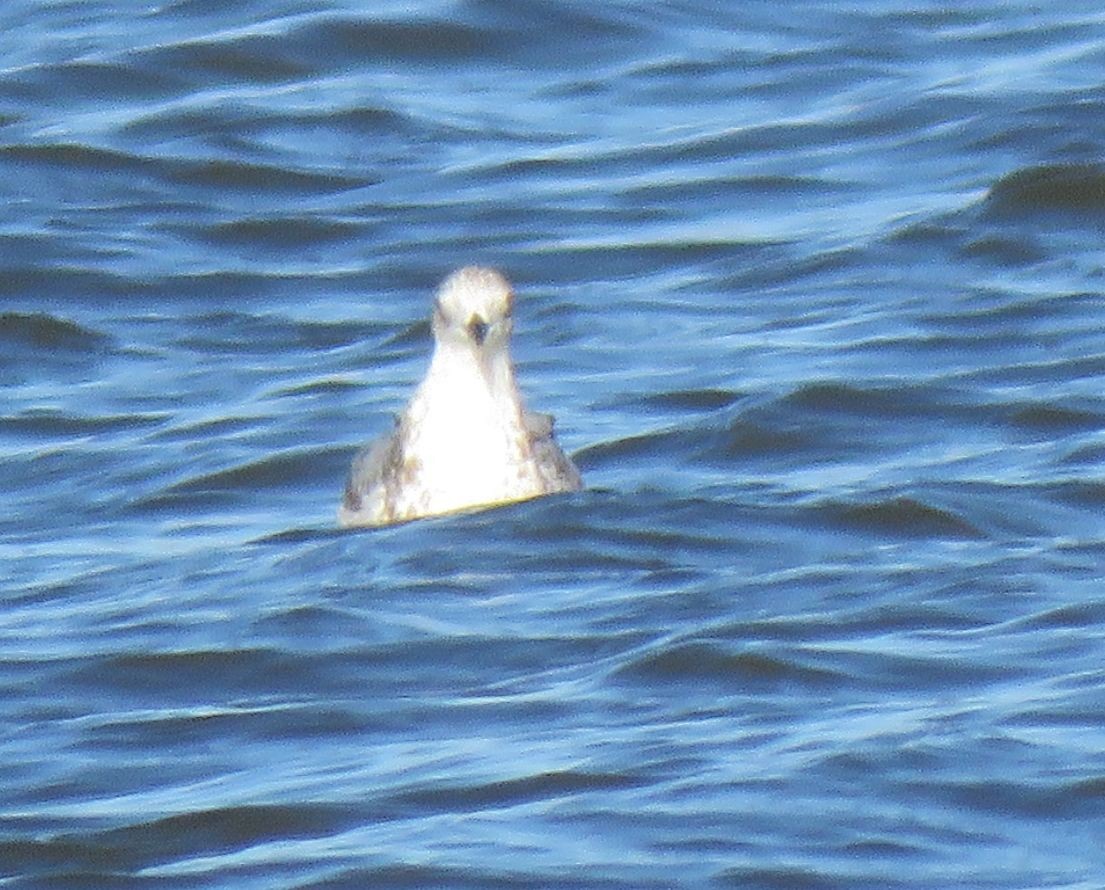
{"type": "Point", "coordinates": [477, 329]}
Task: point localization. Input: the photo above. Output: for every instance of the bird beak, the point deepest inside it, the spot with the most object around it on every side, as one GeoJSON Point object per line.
{"type": "Point", "coordinates": [477, 329]}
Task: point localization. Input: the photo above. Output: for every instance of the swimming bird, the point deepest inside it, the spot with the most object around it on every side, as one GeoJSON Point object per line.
{"type": "Point", "coordinates": [465, 439]}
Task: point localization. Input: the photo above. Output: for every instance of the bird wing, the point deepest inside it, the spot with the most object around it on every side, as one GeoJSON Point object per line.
{"type": "Point", "coordinates": [556, 468]}
{"type": "Point", "coordinates": [366, 499]}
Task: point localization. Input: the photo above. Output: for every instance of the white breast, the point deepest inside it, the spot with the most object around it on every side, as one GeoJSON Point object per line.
{"type": "Point", "coordinates": [467, 444]}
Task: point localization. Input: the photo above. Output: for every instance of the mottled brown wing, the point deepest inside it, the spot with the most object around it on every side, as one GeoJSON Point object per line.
{"type": "Point", "coordinates": [366, 499]}
{"type": "Point", "coordinates": [556, 468]}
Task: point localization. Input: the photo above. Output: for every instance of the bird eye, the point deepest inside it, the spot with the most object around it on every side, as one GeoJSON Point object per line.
{"type": "Point", "coordinates": [477, 329]}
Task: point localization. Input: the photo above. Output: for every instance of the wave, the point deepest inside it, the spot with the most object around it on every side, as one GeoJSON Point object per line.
{"type": "Point", "coordinates": [48, 335]}
{"type": "Point", "coordinates": [899, 516]}
{"type": "Point", "coordinates": [1072, 189]}
{"type": "Point", "coordinates": [38, 344]}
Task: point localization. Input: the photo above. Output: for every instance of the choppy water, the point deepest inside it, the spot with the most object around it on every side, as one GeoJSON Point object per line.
{"type": "Point", "coordinates": [815, 291]}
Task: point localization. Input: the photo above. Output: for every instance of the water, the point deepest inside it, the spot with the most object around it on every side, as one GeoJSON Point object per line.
{"type": "Point", "coordinates": [815, 293]}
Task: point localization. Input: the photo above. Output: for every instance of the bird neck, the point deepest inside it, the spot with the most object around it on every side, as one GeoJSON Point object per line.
{"type": "Point", "coordinates": [489, 373]}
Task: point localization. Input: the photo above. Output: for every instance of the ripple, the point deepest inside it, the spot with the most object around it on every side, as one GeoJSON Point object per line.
{"type": "Point", "coordinates": [91, 81]}
{"type": "Point", "coordinates": [693, 400]}
{"type": "Point", "coordinates": [276, 471]}
{"type": "Point", "coordinates": [541, 787]}
{"type": "Point", "coordinates": [250, 59]}
{"type": "Point", "coordinates": [900, 516]}
{"type": "Point", "coordinates": [279, 233]}
{"type": "Point", "coordinates": [1077, 189]}
{"type": "Point", "coordinates": [1057, 420]}
{"type": "Point", "coordinates": [40, 424]}
{"type": "Point", "coordinates": [96, 856]}
{"type": "Point", "coordinates": [224, 175]}
{"type": "Point", "coordinates": [219, 174]}
{"type": "Point", "coordinates": [34, 346]}
{"type": "Point", "coordinates": [701, 662]}
{"type": "Point", "coordinates": [47, 335]}
{"type": "Point", "coordinates": [78, 157]}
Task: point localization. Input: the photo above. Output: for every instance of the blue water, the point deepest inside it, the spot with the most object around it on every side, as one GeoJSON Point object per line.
{"type": "Point", "coordinates": [817, 294]}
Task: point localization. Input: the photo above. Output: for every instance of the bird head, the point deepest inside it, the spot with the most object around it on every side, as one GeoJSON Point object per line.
{"type": "Point", "coordinates": [473, 311]}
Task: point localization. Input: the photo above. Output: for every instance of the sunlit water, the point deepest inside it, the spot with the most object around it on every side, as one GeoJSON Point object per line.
{"type": "Point", "coordinates": [815, 293]}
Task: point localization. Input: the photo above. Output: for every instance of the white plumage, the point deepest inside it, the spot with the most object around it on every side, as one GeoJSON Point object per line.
{"type": "Point", "coordinates": [465, 439]}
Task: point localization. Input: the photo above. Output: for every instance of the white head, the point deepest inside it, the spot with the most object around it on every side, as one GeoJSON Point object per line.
{"type": "Point", "coordinates": [473, 311]}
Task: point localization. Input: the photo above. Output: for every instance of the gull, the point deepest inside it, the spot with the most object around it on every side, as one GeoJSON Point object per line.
{"type": "Point", "coordinates": [465, 439]}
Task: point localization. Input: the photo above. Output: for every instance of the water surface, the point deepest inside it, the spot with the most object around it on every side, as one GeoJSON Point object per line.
{"type": "Point", "coordinates": [816, 297]}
